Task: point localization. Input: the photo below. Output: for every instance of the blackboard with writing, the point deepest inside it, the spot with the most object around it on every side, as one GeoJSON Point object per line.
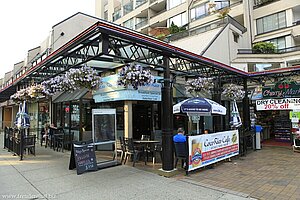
{"type": "Point", "coordinates": [85, 158]}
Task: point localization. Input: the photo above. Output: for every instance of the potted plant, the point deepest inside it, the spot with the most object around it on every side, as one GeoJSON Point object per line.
{"type": "Point", "coordinates": [264, 47]}
{"type": "Point", "coordinates": [200, 84]}
{"type": "Point", "coordinates": [233, 92]}
{"type": "Point", "coordinates": [134, 75]}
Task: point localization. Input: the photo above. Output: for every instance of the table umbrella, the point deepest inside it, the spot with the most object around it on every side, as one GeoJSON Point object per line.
{"type": "Point", "coordinates": [18, 116]}
{"type": "Point", "coordinates": [235, 118]}
{"type": "Point", "coordinates": [25, 117]}
{"type": "Point", "coordinates": [199, 106]}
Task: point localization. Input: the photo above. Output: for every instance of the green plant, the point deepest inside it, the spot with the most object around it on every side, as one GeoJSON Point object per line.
{"type": "Point", "coordinates": [161, 36]}
{"type": "Point", "coordinates": [264, 47]}
{"type": "Point", "coordinates": [223, 12]}
{"type": "Point", "coordinates": [175, 29]}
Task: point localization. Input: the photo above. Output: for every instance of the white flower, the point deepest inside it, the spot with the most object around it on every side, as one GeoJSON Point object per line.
{"type": "Point", "coordinates": [233, 91]}
{"type": "Point", "coordinates": [135, 76]}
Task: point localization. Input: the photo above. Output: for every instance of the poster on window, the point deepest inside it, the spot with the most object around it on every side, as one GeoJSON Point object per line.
{"type": "Point", "coordinates": [104, 125]}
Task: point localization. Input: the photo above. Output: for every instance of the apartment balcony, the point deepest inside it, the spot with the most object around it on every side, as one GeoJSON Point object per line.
{"type": "Point", "coordinates": [141, 24]}
{"type": "Point", "coordinates": [127, 8]}
{"type": "Point", "coordinates": [139, 3]}
{"type": "Point", "coordinates": [260, 3]}
{"type": "Point", "coordinates": [117, 15]}
{"type": "Point", "coordinates": [214, 24]}
{"type": "Point", "coordinates": [284, 57]}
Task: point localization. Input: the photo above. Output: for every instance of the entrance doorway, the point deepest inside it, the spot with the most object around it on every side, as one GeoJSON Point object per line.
{"type": "Point", "coordinates": [142, 120]}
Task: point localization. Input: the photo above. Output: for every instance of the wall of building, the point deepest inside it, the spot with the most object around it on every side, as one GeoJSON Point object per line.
{"type": "Point", "coordinates": [196, 43]}
{"type": "Point", "coordinates": [68, 29]}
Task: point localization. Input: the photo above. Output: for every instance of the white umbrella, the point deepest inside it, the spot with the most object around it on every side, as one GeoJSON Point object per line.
{"type": "Point", "coordinates": [199, 106]}
{"type": "Point", "coordinates": [235, 119]}
{"type": "Point", "coordinates": [18, 121]}
{"type": "Point", "coordinates": [25, 117]}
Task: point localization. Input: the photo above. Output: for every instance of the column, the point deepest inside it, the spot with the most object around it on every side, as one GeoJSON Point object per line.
{"type": "Point", "coordinates": [128, 119]}
{"type": "Point", "coordinates": [167, 119]}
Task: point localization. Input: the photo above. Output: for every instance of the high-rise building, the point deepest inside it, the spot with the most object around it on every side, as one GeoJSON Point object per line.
{"type": "Point", "coordinates": [252, 35]}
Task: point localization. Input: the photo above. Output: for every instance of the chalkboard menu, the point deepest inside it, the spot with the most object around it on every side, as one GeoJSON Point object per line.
{"type": "Point", "coordinates": [85, 158]}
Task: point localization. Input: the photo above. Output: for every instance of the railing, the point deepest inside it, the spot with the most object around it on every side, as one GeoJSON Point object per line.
{"type": "Point", "coordinates": [277, 51]}
{"type": "Point", "coordinates": [128, 8]}
{"type": "Point", "coordinates": [140, 2]}
{"type": "Point", "coordinates": [141, 24]}
{"type": "Point", "coordinates": [117, 15]}
{"type": "Point", "coordinates": [259, 3]}
{"type": "Point", "coordinates": [152, 1]}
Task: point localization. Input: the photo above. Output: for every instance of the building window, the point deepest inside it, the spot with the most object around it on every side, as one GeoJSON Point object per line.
{"type": "Point", "coordinates": [178, 20]}
{"type": "Point", "coordinates": [106, 15]}
{"type": "Point", "coordinates": [174, 3]}
{"type": "Point", "coordinates": [235, 37]}
{"type": "Point", "coordinates": [278, 42]}
{"type": "Point", "coordinates": [129, 23]}
{"type": "Point", "coordinates": [271, 22]}
{"type": "Point", "coordinates": [199, 11]}
{"type": "Point", "coordinates": [221, 4]}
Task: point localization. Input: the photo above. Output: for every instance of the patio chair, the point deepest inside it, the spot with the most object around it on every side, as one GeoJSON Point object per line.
{"type": "Point", "coordinates": [131, 151]}
{"type": "Point", "coordinates": [29, 144]}
{"type": "Point", "coordinates": [181, 153]}
{"type": "Point", "coordinates": [120, 149]}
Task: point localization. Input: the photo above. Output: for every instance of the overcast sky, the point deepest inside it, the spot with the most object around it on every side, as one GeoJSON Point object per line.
{"type": "Point", "coordinates": [25, 24]}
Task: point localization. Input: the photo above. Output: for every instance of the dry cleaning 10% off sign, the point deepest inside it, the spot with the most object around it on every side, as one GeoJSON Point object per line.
{"type": "Point", "coordinates": [278, 104]}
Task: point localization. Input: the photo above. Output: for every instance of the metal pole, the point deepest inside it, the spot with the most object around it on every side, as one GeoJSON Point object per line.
{"type": "Point", "coordinates": [167, 120]}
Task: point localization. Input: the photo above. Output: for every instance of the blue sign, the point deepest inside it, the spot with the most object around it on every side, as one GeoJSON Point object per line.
{"type": "Point", "coordinates": [109, 90]}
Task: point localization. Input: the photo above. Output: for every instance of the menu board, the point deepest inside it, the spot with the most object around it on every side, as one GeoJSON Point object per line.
{"type": "Point", "coordinates": [85, 158]}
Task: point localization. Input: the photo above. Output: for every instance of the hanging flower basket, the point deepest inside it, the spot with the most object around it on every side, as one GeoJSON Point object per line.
{"type": "Point", "coordinates": [135, 76]}
{"type": "Point", "coordinates": [233, 92]}
{"type": "Point", "coordinates": [84, 77]}
{"type": "Point", "coordinates": [31, 93]}
{"type": "Point", "coordinates": [200, 84]}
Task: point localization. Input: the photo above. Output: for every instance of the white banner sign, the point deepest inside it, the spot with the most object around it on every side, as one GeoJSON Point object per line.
{"type": "Point", "coordinates": [210, 148]}
{"type": "Point", "coordinates": [278, 104]}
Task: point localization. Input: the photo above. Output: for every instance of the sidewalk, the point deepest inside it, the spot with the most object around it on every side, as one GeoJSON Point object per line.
{"type": "Point", "coordinates": [46, 176]}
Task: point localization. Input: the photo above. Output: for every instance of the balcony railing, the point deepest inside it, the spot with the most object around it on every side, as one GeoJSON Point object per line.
{"type": "Point", "coordinates": [117, 15]}
{"type": "Point", "coordinates": [141, 24]}
{"type": "Point", "coordinates": [140, 2]}
{"type": "Point", "coordinates": [128, 7]}
{"type": "Point", "coordinates": [259, 3]}
{"type": "Point", "coordinates": [277, 51]}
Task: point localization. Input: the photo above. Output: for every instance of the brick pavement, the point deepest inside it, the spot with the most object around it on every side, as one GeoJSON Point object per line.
{"type": "Point", "coordinates": [269, 173]}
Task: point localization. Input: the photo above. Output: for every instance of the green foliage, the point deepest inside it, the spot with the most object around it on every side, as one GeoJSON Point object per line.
{"type": "Point", "coordinates": [175, 29]}
{"type": "Point", "coordinates": [223, 12]}
{"type": "Point", "coordinates": [161, 36]}
{"type": "Point", "coordinates": [264, 47]}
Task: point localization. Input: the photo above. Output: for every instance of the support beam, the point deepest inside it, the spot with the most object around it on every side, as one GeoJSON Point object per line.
{"type": "Point", "coordinates": [167, 119]}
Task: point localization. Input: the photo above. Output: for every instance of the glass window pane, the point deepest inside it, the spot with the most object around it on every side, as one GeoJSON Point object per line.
{"type": "Point", "coordinates": [259, 25]}
{"type": "Point", "coordinates": [281, 20]}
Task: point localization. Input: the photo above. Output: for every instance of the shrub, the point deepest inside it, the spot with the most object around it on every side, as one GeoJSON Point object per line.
{"type": "Point", "coordinates": [264, 47]}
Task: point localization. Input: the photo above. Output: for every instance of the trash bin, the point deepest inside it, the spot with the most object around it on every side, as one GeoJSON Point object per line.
{"type": "Point", "coordinates": [258, 130]}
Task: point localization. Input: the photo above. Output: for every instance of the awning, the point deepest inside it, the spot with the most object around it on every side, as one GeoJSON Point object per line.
{"type": "Point", "coordinates": [68, 96]}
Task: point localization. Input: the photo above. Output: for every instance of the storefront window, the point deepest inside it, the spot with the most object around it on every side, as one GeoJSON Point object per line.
{"type": "Point", "coordinates": [66, 110]}
{"type": "Point", "coordinates": [58, 115]}
{"type": "Point", "coordinates": [75, 116]}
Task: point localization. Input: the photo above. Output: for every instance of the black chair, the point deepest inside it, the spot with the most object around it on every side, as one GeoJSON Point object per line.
{"type": "Point", "coordinates": [67, 141]}
{"type": "Point", "coordinates": [181, 153]}
{"type": "Point", "coordinates": [29, 144]}
{"type": "Point", "coordinates": [157, 149]}
{"type": "Point", "coordinates": [130, 150]}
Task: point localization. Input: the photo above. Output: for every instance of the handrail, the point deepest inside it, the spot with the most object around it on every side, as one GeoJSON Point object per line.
{"type": "Point", "coordinates": [277, 51]}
